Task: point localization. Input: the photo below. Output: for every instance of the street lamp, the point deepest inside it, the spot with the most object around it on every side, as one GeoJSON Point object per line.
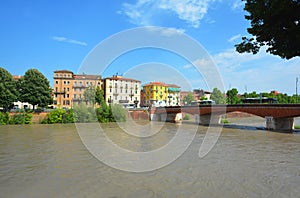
{"type": "Point", "coordinates": [297, 90]}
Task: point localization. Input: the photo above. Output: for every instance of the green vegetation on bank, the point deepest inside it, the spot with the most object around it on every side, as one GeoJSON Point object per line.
{"type": "Point", "coordinates": [84, 114]}
{"type": "Point", "coordinates": [17, 118]}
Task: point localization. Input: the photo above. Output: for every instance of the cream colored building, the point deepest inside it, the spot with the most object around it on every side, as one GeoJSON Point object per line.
{"type": "Point", "coordinates": [120, 90]}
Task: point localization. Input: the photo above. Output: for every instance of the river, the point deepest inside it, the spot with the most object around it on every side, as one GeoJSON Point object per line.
{"type": "Point", "coordinates": [52, 161]}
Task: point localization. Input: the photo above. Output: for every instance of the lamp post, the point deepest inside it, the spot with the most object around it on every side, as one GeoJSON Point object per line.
{"type": "Point", "coordinates": [296, 90]}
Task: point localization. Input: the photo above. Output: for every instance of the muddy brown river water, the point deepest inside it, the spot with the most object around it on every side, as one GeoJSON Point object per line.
{"type": "Point", "coordinates": [52, 161]}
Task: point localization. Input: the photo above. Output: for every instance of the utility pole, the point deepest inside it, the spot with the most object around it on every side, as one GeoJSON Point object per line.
{"type": "Point", "coordinates": [296, 90]}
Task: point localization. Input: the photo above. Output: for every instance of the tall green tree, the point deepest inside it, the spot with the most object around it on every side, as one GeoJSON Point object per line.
{"type": "Point", "coordinates": [232, 96]}
{"type": "Point", "coordinates": [218, 96]}
{"type": "Point", "coordinates": [99, 96]}
{"type": "Point", "coordinates": [8, 91]}
{"type": "Point", "coordinates": [90, 94]}
{"type": "Point", "coordinates": [188, 98]}
{"type": "Point", "coordinates": [35, 89]}
{"type": "Point", "coordinates": [274, 24]}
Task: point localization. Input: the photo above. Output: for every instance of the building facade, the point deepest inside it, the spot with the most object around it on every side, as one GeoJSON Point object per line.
{"type": "Point", "coordinates": [68, 89]}
{"type": "Point", "coordinates": [120, 90]}
{"type": "Point", "coordinates": [173, 95]}
{"type": "Point", "coordinates": [161, 94]}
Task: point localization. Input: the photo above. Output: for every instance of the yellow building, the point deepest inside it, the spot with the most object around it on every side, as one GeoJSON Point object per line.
{"type": "Point", "coordinates": [69, 88]}
{"type": "Point", "coordinates": [160, 94]}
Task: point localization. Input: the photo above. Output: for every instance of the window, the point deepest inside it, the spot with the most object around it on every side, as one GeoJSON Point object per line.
{"type": "Point", "coordinates": [68, 89]}
{"type": "Point", "coordinates": [56, 82]}
{"type": "Point", "coordinates": [110, 90]}
{"type": "Point", "coordinates": [68, 95]}
{"type": "Point", "coordinates": [79, 95]}
{"type": "Point", "coordinates": [69, 75]}
{"type": "Point", "coordinates": [116, 97]}
{"type": "Point", "coordinates": [56, 75]}
{"type": "Point", "coordinates": [68, 82]}
{"type": "Point", "coordinates": [74, 95]}
{"type": "Point", "coordinates": [64, 82]}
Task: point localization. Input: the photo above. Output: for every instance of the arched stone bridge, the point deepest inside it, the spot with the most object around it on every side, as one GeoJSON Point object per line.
{"type": "Point", "coordinates": [278, 116]}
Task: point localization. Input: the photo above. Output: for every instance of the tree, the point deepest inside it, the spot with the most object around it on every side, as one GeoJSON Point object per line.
{"type": "Point", "coordinates": [8, 91]}
{"type": "Point", "coordinates": [35, 89]}
{"type": "Point", "coordinates": [90, 94]}
{"type": "Point", "coordinates": [99, 96]}
{"type": "Point", "coordinates": [232, 96]}
{"type": "Point", "coordinates": [274, 24]}
{"type": "Point", "coordinates": [188, 98]}
{"type": "Point", "coordinates": [218, 96]}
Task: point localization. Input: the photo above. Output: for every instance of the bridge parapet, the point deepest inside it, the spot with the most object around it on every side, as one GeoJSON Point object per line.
{"type": "Point", "coordinates": [278, 116]}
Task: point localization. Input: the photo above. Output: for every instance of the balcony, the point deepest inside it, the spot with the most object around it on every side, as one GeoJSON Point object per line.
{"type": "Point", "coordinates": [79, 86]}
{"type": "Point", "coordinates": [59, 92]}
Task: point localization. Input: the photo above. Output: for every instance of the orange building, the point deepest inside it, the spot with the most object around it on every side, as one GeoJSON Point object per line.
{"type": "Point", "coordinates": [69, 87]}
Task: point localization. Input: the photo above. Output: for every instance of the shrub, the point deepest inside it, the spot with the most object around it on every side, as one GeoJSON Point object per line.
{"type": "Point", "coordinates": [21, 118]}
{"type": "Point", "coordinates": [4, 118]}
{"type": "Point", "coordinates": [224, 121]}
{"type": "Point", "coordinates": [187, 117]}
{"type": "Point", "coordinates": [119, 114]}
{"type": "Point", "coordinates": [59, 116]}
{"type": "Point", "coordinates": [28, 117]}
{"type": "Point", "coordinates": [83, 114]}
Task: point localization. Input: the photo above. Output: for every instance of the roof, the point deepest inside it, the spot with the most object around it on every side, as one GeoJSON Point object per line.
{"type": "Point", "coordinates": [155, 84]}
{"type": "Point", "coordinates": [17, 77]}
{"type": "Point", "coordinates": [161, 84]}
{"type": "Point", "coordinates": [87, 77]}
{"type": "Point", "coordinates": [63, 71]}
{"type": "Point", "coordinates": [122, 78]}
{"type": "Point", "coordinates": [173, 85]}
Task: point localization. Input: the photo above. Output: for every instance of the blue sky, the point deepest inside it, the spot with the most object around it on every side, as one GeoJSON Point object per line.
{"type": "Point", "coordinates": [53, 35]}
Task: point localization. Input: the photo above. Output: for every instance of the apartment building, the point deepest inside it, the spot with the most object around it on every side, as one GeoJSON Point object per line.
{"type": "Point", "coordinates": [161, 94]}
{"type": "Point", "coordinates": [120, 90]}
{"type": "Point", "coordinates": [69, 88]}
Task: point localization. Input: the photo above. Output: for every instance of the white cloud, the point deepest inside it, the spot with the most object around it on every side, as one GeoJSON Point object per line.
{"type": "Point", "coordinates": [234, 38]}
{"type": "Point", "coordinates": [190, 11]}
{"type": "Point", "coordinates": [67, 40]}
{"type": "Point", "coordinates": [237, 4]}
{"type": "Point", "coordinates": [261, 72]}
{"type": "Point", "coordinates": [166, 31]}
